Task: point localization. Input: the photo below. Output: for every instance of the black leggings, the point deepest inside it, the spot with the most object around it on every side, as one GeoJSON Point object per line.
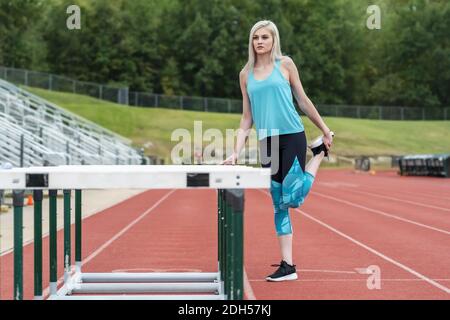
{"type": "Point", "coordinates": [290, 184]}
{"type": "Point", "coordinates": [290, 146]}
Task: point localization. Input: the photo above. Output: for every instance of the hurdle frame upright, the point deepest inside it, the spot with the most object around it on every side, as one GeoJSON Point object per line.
{"type": "Point", "coordinates": [226, 283]}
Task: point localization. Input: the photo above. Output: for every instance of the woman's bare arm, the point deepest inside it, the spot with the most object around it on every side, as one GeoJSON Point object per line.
{"type": "Point", "coordinates": [246, 119]}
{"type": "Point", "coordinates": [304, 102]}
{"type": "Point", "coordinates": [246, 122]}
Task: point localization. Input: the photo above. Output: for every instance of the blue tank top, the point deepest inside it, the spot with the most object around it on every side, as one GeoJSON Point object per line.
{"type": "Point", "coordinates": [272, 105]}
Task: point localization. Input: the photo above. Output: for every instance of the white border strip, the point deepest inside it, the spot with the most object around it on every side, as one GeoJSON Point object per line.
{"type": "Point", "coordinates": [248, 288]}
{"type": "Point", "coordinates": [355, 280]}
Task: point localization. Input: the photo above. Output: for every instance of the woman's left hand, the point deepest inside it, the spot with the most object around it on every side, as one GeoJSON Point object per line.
{"type": "Point", "coordinates": [328, 139]}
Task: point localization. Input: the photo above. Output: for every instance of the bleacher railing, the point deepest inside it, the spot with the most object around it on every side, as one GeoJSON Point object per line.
{"type": "Point", "coordinates": [33, 129]}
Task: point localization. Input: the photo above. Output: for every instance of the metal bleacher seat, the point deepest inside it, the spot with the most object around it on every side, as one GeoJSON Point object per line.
{"type": "Point", "coordinates": [35, 132]}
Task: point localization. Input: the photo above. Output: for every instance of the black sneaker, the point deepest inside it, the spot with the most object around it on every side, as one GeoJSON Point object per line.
{"type": "Point", "coordinates": [284, 272]}
{"type": "Point", "coordinates": [317, 146]}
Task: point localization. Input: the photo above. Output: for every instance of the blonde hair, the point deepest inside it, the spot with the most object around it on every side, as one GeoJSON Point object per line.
{"type": "Point", "coordinates": [276, 47]}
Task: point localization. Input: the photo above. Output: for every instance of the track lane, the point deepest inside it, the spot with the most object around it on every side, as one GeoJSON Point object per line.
{"type": "Point", "coordinates": [427, 216]}
{"type": "Point", "coordinates": [97, 229]}
{"type": "Point", "coordinates": [316, 251]}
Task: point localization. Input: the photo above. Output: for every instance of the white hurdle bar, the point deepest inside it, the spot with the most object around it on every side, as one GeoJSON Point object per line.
{"type": "Point", "coordinates": [135, 177]}
{"type": "Point", "coordinates": [136, 286]}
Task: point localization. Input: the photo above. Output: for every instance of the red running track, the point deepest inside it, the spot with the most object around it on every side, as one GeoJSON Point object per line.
{"type": "Point", "coordinates": [349, 222]}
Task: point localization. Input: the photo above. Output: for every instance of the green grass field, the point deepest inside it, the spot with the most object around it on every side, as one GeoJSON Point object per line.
{"type": "Point", "coordinates": [153, 127]}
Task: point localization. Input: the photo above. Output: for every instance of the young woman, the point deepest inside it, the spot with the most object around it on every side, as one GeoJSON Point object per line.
{"type": "Point", "coordinates": [268, 81]}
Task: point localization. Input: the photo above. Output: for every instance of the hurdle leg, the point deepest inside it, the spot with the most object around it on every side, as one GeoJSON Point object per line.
{"type": "Point", "coordinates": [78, 231]}
{"type": "Point", "coordinates": [18, 243]}
{"type": "Point", "coordinates": [67, 251]}
{"type": "Point", "coordinates": [38, 196]}
{"type": "Point", "coordinates": [237, 209]}
{"type": "Point", "coordinates": [53, 244]}
{"type": "Point", "coordinates": [231, 238]}
{"type": "Point", "coordinates": [220, 244]}
{"type": "Point", "coordinates": [228, 248]}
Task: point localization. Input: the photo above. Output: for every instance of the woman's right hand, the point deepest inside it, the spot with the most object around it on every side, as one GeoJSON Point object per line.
{"type": "Point", "coordinates": [328, 139]}
{"type": "Point", "coordinates": [231, 159]}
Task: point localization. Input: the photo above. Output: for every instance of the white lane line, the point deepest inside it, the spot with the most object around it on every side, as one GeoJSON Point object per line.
{"type": "Point", "coordinates": [424, 182]}
{"type": "Point", "coordinates": [248, 288]}
{"type": "Point", "coordinates": [414, 194]}
{"type": "Point", "coordinates": [325, 271]}
{"type": "Point", "coordinates": [382, 213]}
{"type": "Point", "coordinates": [355, 280]}
{"type": "Point", "coordinates": [61, 227]}
{"type": "Point", "coordinates": [398, 264]}
{"type": "Point", "coordinates": [115, 237]}
{"type": "Point", "coordinates": [400, 200]}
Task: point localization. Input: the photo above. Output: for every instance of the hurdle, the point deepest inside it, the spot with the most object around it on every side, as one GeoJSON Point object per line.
{"type": "Point", "coordinates": [225, 284]}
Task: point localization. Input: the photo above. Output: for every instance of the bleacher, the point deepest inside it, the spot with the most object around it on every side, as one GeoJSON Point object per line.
{"type": "Point", "coordinates": [35, 132]}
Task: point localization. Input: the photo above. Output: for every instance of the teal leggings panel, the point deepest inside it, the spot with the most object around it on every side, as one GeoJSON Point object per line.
{"type": "Point", "coordinates": [295, 187]}
{"type": "Point", "coordinates": [282, 220]}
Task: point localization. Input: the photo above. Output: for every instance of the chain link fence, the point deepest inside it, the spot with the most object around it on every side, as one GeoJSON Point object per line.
{"type": "Point", "coordinates": [143, 99]}
{"type": "Point", "coordinates": [152, 100]}
{"type": "Point", "coordinates": [384, 112]}
{"type": "Point", "coordinates": [60, 83]}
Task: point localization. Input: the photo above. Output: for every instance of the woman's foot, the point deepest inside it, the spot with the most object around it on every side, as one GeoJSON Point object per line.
{"type": "Point", "coordinates": [284, 272]}
{"type": "Point", "coordinates": [317, 146]}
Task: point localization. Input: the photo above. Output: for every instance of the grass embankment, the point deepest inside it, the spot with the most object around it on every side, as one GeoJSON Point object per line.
{"type": "Point", "coordinates": [153, 127]}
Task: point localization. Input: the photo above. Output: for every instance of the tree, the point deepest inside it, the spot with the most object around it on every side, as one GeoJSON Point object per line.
{"type": "Point", "coordinates": [416, 56]}
{"type": "Point", "coordinates": [20, 44]}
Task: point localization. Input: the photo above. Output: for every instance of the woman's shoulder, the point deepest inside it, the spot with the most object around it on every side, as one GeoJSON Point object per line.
{"type": "Point", "coordinates": [286, 61]}
{"type": "Point", "coordinates": [243, 74]}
